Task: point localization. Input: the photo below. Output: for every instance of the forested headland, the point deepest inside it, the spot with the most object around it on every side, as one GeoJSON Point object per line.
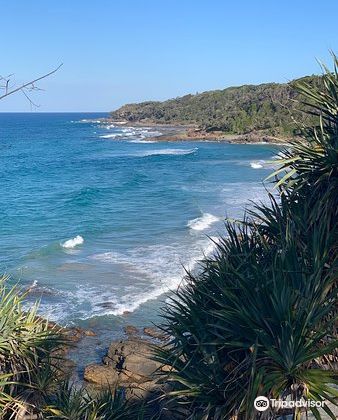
{"type": "Point", "coordinates": [269, 109]}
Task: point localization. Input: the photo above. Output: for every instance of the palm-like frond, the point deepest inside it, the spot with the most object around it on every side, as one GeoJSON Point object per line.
{"type": "Point", "coordinates": [71, 403]}
{"type": "Point", "coordinates": [260, 316]}
{"type": "Point", "coordinates": [26, 345]}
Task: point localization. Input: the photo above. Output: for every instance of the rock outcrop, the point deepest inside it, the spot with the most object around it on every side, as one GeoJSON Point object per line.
{"type": "Point", "coordinates": [127, 364]}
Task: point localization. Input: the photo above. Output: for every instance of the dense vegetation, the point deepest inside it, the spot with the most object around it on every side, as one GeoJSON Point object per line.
{"type": "Point", "coordinates": [260, 318]}
{"type": "Point", "coordinates": [34, 375]}
{"type": "Point", "coordinates": [268, 108]}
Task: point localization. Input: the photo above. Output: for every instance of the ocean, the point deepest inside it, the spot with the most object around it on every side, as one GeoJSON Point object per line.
{"type": "Point", "coordinates": [99, 222]}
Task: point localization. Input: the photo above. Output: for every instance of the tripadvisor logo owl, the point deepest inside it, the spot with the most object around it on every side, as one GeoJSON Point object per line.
{"type": "Point", "coordinates": [261, 403]}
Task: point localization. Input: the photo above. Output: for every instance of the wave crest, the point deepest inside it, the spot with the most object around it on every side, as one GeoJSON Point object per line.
{"type": "Point", "coordinates": [72, 243]}
{"type": "Point", "coordinates": [257, 165]}
{"type": "Point", "coordinates": [203, 222]}
{"type": "Point", "coordinates": [170, 152]}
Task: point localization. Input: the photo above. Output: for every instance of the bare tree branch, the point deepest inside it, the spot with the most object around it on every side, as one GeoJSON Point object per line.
{"type": "Point", "coordinates": [29, 100]}
{"type": "Point", "coordinates": [26, 86]}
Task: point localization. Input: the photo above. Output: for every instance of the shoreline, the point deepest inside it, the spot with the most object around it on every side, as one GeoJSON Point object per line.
{"type": "Point", "coordinates": [88, 349]}
{"type": "Point", "coordinates": [189, 132]}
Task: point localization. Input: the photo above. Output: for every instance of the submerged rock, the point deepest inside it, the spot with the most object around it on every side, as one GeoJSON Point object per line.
{"type": "Point", "coordinates": [130, 330]}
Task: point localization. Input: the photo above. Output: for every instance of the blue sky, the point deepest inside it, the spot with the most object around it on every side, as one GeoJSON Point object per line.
{"type": "Point", "coordinates": [122, 51]}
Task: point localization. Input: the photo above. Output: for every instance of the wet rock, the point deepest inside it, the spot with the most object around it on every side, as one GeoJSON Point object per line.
{"type": "Point", "coordinates": [126, 313]}
{"type": "Point", "coordinates": [75, 334]}
{"type": "Point", "coordinates": [154, 333]}
{"type": "Point", "coordinates": [127, 364]}
{"type": "Point", "coordinates": [106, 305]}
{"type": "Point", "coordinates": [132, 355]}
{"type": "Point", "coordinates": [89, 333]}
{"type": "Point", "coordinates": [130, 330]}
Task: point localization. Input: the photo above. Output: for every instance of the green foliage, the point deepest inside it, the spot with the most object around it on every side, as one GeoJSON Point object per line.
{"type": "Point", "coordinates": [32, 381]}
{"type": "Point", "coordinates": [264, 108]}
{"type": "Point", "coordinates": [26, 345]}
{"type": "Point", "coordinates": [259, 318]}
{"type": "Point", "coordinates": [70, 403]}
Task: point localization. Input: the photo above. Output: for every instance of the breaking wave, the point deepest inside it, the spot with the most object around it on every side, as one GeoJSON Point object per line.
{"type": "Point", "coordinates": [160, 266]}
{"type": "Point", "coordinates": [203, 222]}
{"type": "Point", "coordinates": [173, 152]}
{"type": "Point", "coordinates": [257, 165]}
{"type": "Point", "coordinates": [72, 243]}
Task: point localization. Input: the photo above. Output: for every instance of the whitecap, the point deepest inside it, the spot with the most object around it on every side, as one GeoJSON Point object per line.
{"type": "Point", "coordinates": [256, 165]}
{"type": "Point", "coordinates": [109, 136]}
{"type": "Point", "coordinates": [72, 243]}
{"type": "Point", "coordinates": [126, 132]}
{"type": "Point", "coordinates": [173, 152]}
{"type": "Point", "coordinates": [203, 222]}
{"type": "Point", "coordinates": [142, 141]}
{"type": "Point", "coordinates": [118, 135]}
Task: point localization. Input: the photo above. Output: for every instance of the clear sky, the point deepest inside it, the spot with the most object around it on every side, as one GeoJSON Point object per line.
{"type": "Point", "coordinates": [122, 51]}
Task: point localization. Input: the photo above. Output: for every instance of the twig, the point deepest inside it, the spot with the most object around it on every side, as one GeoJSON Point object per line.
{"type": "Point", "coordinates": [26, 85]}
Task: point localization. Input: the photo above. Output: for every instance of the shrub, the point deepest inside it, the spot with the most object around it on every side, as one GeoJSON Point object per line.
{"type": "Point", "coordinates": [27, 344]}
{"type": "Point", "coordinates": [32, 381]}
{"type": "Point", "coordinates": [259, 318]}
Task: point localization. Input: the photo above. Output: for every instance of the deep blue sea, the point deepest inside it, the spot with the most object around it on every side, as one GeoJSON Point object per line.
{"type": "Point", "coordinates": [99, 221]}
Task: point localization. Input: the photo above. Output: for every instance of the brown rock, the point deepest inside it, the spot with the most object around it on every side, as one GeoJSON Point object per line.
{"type": "Point", "coordinates": [154, 333]}
{"type": "Point", "coordinates": [101, 375]}
{"type": "Point", "coordinates": [73, 335]}
{"type": "Point", "coordinates": [127, 364]}
{"type": "Point", "coordinates": [89, 333]}
{"type": "Point", "coordinates": [130, 330]}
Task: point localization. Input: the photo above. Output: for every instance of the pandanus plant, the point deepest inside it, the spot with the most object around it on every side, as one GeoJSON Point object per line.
{"type": "Point", "coordinates": [259, 318]}
{"type": "Point", "coordinates": [33, 383]}
{"type": "Point", "coordinates": [27, 343]}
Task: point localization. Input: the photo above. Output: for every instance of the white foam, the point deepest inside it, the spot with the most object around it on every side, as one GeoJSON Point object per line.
{"type": "Point", "coordinates": [72, 243]}
{"type": "Point", "coordinates": [127, 132]}
{"type": "Point", "coordinates": [256, 165]}
{"type": "Point", "coordinates": [142, 141]}
{"type": "Point", "coordinates": [109, 136]}
{"type": "Point", "coordinates": [34, 284]}
{"type": "Point", "coordinates": [160, 267]}
{"type": "Point", "coordinates": [117, 135]}
{"type": "Point", "coordinates": [203, 222]}
{"type": "Point", "coordinates": [85, 121]}
{"type": "Point", "coordinates": [170, 152]}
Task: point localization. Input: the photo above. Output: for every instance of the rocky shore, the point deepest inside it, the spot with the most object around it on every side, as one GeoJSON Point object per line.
{"type": "Point", "coordinates": [128, 365]}
{"type": "Point", "coordinates": [193, 133]}
{"type": "Point", "coordinates": [127, 362]}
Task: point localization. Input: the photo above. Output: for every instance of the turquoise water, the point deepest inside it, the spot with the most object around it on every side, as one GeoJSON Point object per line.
{"type": "Point", "coordinates": [100, 222]}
